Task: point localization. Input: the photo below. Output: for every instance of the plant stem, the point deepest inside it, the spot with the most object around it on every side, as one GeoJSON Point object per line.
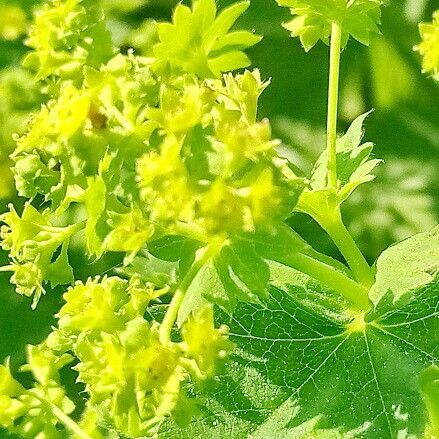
{"type": "Point", "coordinates": [69, 422]}
{"type": "Point", "coordinates": [172, 311]}
{"type": "Point", "coordinates": [66, 420]}
{"type": "Point", "coordinates": [333, 224]}
{"type": "Point", "coordinates": [75, 228]}
{"type": "Point", "coordinates": [326, 212]}
{"type": "Point", "coordinates": [331, 278]}
{"type": "Point", "coordinates": [334, 75]}
{"type": "Point", "coordinates": [202, 257]}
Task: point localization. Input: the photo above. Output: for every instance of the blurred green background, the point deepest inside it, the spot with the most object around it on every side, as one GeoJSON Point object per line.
{"type": "Point", "coordinates": [385, 76]}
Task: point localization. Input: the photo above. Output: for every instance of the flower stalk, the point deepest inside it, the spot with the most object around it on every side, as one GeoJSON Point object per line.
{"type": "Point", "coordinates": [333, 90]}
{"type": "Point", "coordinates": [201, 258]}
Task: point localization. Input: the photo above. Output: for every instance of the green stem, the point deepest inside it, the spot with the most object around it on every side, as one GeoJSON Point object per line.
{"type": "Point", "coordinates": [202, 257]}
{"type": "Point", "coordinates": [172, 312]}
{"type": "Point", "coordinates": [331, 278]}
{"type": "Point", "coordinates": [334, 75]}
{"type": "Point", "coordinates": [66, 420]}
{"type": "Point", "coordinates": [333, 224]}
{"type": "Point", "coordinates": [75, 228]}
{"type": "Point", "coordinates": [69, 422]}
{"type": "Point", "coordinates": [327, 213]}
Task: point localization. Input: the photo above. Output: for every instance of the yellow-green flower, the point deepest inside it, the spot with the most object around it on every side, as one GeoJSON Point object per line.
{"type": "Point", "coordinates": [312, 19]}
{"type": "Point", "coordinates": [95, 305]}
{"type": "Point", "coordinates": [10, 407]}
{"type": "Point", "coordinates": [65, 36]}
{"type": "Point", "coordinates": [204, 343]}
{"type": "Point", "coordinates": [429, 46]}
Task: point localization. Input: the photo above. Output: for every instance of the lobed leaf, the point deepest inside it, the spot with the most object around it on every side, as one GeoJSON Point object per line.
{"type": "Point", "coordinates": [407, 266]}
{"type": "Point", "coordinates": [305, 367]}
{"type": "Point", "coordinates": [355, 166]}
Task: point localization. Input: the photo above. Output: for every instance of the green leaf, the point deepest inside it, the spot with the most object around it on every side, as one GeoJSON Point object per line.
{"type": "Point", "coordinates": [224, 22]}
{"type": "Point", "coordinates": [430, 391]}
{"type": "Point", "coordinates": [354, 162]}
{"type": "Point", "coordinates": [242, 269]}
{"type": "Point", "coordinates": [60, 272]}
{"type": "Point", "coordinates": [151, 269]}
{"type": "Point", "coordinates": [174, 248]}
{"type": "Point", "coordinates": [355, 167]}
{"type": "Point", "coordinates": [303, 364]}
{"type": "Point", "coordinates": [313, 19]}
{"type": "Point", "coordinates": [407, 266]}
{"type": "Point", "coordinates": [237, 273]}
{"type": "Point", "coordinates": [280, 241]}
{"type": "Point", "coordinates": [164, 263]}
{"type": "Point", "coordinates": [238, 40]}
{"type": "Point", "coordinates": [232, 60]}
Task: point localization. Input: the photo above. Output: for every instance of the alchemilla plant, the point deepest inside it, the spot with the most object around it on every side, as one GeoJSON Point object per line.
{"type": "Point", "coordinates": [221, 321]}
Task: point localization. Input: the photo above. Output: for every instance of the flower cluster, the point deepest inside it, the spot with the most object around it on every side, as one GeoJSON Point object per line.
{"type": "Point", "coordinates": [169, 145]}
{"type": "Point", "coordinates": [141, 148]}
{"type": "Point", "coordinates": [129, 374]}
{"type": "Point", "coordinates": [214, 164]}
{"type": "Point", "coordinates": [32, 241]}
{"type": "Point", "coordinates": [66, 35]}
{"type": "Point", "coordinates": [313, 19]}
{"type": "Point", "coordinates": [32, 412]}
{"type": "Point", "coordinates": [429, 46]}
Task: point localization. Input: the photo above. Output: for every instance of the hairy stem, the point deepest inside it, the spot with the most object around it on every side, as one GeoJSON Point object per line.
{"type": "Point", "coordinates": [202, 257]}
{"type": "Point", "coordinates": [331, 278]}
{"type": "Point", "coordinates": [338, 232]}
{"type": "Point", "coordinates": [334, 75]}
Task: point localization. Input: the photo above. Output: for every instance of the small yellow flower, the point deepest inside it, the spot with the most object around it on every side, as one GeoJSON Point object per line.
{"type": "Point", "coordinates": [204, 343]}
{"type": "Point", "coordinates": [429, 46]}
{"type": "Point", "coordinates": [8, 385]}
{"type": "Point", "coordinates": [163, 183]}
{"type": "Point", "coordinates": [10, 406]}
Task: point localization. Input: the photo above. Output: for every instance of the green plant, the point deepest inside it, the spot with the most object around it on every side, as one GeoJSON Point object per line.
{"type": "Point", "coordinates": [163, 160]}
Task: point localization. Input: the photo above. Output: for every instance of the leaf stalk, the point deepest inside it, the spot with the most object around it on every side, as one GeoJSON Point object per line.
{"type": "Point", "coordinates": [334, 226]}
{"type": "Point", "coordinates": [333, 91]}
{"type": "Point", "coordinates": [330, 277]}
